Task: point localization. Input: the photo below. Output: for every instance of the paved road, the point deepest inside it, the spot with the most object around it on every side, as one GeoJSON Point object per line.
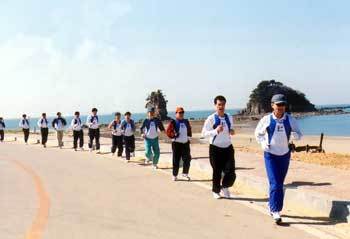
{"type": "Point", "coordinates": [61, 194]}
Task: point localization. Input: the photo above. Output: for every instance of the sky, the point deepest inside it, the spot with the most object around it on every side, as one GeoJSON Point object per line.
{"type": "Point", "coordinates": [74, 55]}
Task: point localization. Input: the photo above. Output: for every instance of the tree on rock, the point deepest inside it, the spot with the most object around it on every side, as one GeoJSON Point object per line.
{"type": "Point", "coordinates": [157, 100]}
{"type": "Point", "coordinates": [260, 99]}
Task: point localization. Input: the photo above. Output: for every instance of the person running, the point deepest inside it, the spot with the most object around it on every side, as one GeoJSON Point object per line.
{"type": "Point", "coordinates": [117, 135]}
{"type": "Point", "coordinates": [179, 130]}
{"type": "Point", "coordinates": [273, 133]}
{"type": "Point", "coordinates": [128, 128]}
{"type": "Point", "coordinates": [25, 125]}
{"type": "Point", "coordinates": [149, 131]}
{"type": "Point", "coordinates": [2, 128]}
{"type": "Point", "coordinates": [59, 124]}
{"type": "Point", "coordinates": [43, 124]}
{"type": "Point", "coordinates": [219, 128]}
{"type": "Point", "coordinates": [92, 122]}
{"type": "Point", "coordinates": [78, 133]}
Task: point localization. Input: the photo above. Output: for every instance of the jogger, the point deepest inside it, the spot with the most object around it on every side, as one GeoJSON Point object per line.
{"type": "Point", "coordinates": [117, 135]}
{"type": "Point", "coordinates": [25, 125]}
{"type": "Point", "coordinates": [219, 127]}
{"type": "Point", "coordinates": [2, 128]}
{"type": "Point", "coordinates": [179, 130]}
{"type": "Point", "coordinates": [273, 133]}
{"type": "Point", "coordinates": [43, 124]}
{"type": "Point", "coordinates": [78, 133]}
{"type": "Point", "coordinates": [222, 161]}
{"type": "Point", "coordinates": [92, 122]}
{"type": "Point", "coordinates": [149, 132]}
{"type": "Point", "coordinates": [128, 128]}
{"type": "Point", "coordinates": [59, 124]}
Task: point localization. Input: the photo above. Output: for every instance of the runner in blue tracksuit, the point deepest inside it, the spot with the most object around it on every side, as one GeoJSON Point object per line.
{"type": "Point", "coordinates": [273, 133]}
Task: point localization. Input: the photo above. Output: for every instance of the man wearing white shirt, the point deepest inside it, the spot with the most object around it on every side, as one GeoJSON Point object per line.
{"type": "Point", "coordinates": [92, 122]}
{"type": "Point", "coordinates": [117, 134]}
{"type": "Point", "coordinates": [219, 128]}
{"type": "Point", "coordinates": [273, 133]}
{"type": "Point", "coordinates": [78, 133]}
{"type": "Point", "coordinates": [128, 128]}
{"type": "Point", "coordinates": [43, 124]}
{"type": "Point", "coordinates": [59, 124]}
{"type": "Point", "coordinates": [25, 125]}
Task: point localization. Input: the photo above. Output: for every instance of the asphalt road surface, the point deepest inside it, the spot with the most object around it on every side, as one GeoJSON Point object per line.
{"type": "Point", "coordinates": [52, 193]}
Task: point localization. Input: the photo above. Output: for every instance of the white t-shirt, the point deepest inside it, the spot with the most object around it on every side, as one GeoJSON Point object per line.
{"type": "Point", "coordinates": [152, 133]}
{"type": "Point", "coordinates": [42, 123]}
{"type": "Point", "coordinates": [183, 135]}
{"type": "Point", "coordinates": [76, 126]}
{"type": "Point", "coordinates": [128, 130]}
{"type": "Point", "coordinates": [279, 144]}
{"type": "Point", "coordinates": [221, 140]}
{"type": "Point", "coordinates": [116, 129]}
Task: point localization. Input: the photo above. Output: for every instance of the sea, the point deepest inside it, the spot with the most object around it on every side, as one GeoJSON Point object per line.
{"type": "Point", "coordinates": [331, 125]}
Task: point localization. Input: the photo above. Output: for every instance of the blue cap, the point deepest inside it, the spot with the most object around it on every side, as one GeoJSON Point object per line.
{"type": "Point", "coordinates": [150, 109]}
{"type": "Point", "coordinates": [278, 99]}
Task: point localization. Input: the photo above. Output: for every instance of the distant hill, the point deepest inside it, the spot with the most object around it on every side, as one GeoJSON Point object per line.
{"type": "Point", "coordinates": [260, 99]}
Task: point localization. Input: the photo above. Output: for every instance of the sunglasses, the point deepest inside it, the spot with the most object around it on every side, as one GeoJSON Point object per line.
{"type": "Point", "coordinates": [281, 104]}
{"type": "Point", "coordinates": [181, 112]}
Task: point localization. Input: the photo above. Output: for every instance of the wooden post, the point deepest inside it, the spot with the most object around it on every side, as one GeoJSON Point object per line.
{"type": "Point", "coordinates": [321, 143]}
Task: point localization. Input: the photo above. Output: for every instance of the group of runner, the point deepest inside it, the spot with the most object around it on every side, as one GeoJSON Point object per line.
{"type": "Point", "coordinates": [273, 133]}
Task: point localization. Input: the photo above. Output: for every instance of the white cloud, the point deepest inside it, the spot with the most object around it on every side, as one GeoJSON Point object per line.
{"type": "Point", "coordinates": [39, 73]}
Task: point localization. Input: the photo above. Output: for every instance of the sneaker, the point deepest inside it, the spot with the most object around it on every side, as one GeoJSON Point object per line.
{"type": "Point", "coordinates": [75, 149]}
{"type": "Point", "coordinates": [90, 150]}
{"type": "Point", "coordinates": [276, 217]}
{"type": "Point", "coordinates": [44, 145]}
{"type": "Point", "coordinates": [133, 154]}
{"type": "Point", "coordinates": [186, 177]}
{"type": "Point", "coordinates": [113, 154]}
{"type": "Point", "coordinates": [226, 193]}
{"type": "Point", "coordinates": [98, 152]}
{"type": "Point", "coordinates": [155, 167]}
{"type": "Point", "coordinates": [216, 195]}
{"type": "Point", "coordinates": [82, 149]}
{"type": "Point", "coordinates": [174, 178]}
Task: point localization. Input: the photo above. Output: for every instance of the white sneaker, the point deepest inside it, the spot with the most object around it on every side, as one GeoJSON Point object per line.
{"type": "Point", "coordinates": [226, 193]}
{"type": "Point", "coordinates": [90, 150]}
{"type": "Point", "coordinates": [133, 154]}
{"type": "Point", "coordinates": [216, 195]}
{"type": "Point", "coordinates": [186, 177]}
{"type": "Point", "coordinates": [276, 217]}
{"type": "Point", "coordinates": [98, 152]}
{"type": "Point", "coordinates": [155, 167]}
{"type": "Point", "coordinates": [174, 178]}
{"type": "Point", "coordinates": [82, 149]}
